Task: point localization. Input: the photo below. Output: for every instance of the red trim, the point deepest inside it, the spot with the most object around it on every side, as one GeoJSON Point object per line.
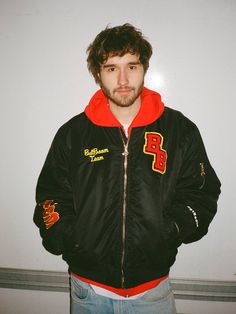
{"type": "Point", "coordinates": [100, 114]}
{"type": "Point", "coordinates": [125, 292]}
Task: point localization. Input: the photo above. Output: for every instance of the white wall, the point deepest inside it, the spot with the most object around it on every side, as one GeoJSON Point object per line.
{"type": "Point", "coordinates": [44, 81]}
{"type": "Point", "coordinates": [33, 302]}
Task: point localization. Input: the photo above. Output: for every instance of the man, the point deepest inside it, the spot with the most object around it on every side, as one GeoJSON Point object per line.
{"type": "Point", "coordinates": [125, 183]}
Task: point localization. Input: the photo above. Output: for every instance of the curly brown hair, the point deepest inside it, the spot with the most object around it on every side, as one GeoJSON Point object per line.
{"type": "Point", "coordinates": [117, 41]}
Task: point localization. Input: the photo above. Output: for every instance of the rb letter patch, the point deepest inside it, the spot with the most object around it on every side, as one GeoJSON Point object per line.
{"type": "Point", "coordinates": [153, 146]}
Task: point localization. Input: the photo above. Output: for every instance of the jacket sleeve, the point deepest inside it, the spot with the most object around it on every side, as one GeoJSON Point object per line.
{"type": "Point", "coordinates": [195, 199]}
{"type": "Point", "coordinates": [54, 213]}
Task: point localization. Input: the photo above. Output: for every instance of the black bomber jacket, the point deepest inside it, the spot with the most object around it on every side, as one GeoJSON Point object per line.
{"type": "Point", "coordinates": [117, 209]}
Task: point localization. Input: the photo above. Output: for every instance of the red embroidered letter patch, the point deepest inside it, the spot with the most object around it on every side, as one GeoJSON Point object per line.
{"type": "Point", "coordinates": [49, 215]}
{"type": "Point", "coordinates": [153, 146]}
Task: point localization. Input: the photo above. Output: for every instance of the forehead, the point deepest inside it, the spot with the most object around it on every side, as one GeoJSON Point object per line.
{"type": "Point", "coordinates": [125, 59]}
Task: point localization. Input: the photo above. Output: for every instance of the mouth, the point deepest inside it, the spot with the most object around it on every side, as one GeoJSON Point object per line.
{"type": "Point", "coordinates": [123, 91]}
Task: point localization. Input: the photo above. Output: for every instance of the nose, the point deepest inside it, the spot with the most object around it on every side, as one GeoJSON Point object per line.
{"type": "Point", "coordinates": [123, 78]}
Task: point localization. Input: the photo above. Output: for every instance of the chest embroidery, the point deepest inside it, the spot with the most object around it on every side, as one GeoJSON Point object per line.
{"type": "Point", "coordinates": [153, 146]}
{"type": "Point", "coordinates": [96, 154]}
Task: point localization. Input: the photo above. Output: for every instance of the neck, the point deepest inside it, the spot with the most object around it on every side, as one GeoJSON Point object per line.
{"type": "Point", "coordinates": [125, 115]}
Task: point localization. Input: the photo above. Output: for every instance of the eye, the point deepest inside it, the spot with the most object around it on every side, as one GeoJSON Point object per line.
{"type": "Point", "coordinates": [132, 67]}
{"type": "Point", "coordinates": [111, 69]}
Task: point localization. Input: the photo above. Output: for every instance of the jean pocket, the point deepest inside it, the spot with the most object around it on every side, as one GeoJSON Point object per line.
{"type": "Point", "coordinates": [159, 293]}
{"type": "Point", "coordinates": [80, 291]}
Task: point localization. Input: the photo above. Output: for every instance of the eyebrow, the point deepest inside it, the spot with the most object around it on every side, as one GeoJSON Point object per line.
{"type": "Point", "coordinates": [110, 65]}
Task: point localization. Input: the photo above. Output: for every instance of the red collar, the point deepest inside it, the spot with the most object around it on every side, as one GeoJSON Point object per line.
{"type": "Point", "coordinates": [100, 114]}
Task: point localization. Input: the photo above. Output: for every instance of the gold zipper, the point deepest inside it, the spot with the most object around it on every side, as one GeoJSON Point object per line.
{"type": "Point", "coordinates": [125, 154]}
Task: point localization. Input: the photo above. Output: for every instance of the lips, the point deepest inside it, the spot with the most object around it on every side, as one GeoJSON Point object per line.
{"type": "Point", "coordinates": [123, 90]}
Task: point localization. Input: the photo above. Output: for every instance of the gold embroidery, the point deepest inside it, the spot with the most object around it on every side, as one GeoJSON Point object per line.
{"type": "Point", "coordinates": [92, 153]}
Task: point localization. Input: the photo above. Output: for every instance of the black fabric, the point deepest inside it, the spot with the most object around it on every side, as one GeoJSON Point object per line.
{"type": "Point", "coordinates": [84, 175]}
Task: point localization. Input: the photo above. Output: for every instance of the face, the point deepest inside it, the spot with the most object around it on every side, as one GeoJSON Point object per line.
{"type": "Point", "coordinates": [122, 79]}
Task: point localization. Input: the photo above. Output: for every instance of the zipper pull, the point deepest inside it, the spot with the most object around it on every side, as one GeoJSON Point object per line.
{"type": "Point", "coordinates": [125, 152]}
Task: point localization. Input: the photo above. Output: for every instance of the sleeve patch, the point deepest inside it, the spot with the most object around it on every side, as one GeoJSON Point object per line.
{"type": "Point", "coordinates": [50, 216]}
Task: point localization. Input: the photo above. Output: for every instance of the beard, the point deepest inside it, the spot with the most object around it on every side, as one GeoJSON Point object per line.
{"type": "Point", "coordinates": [123, 100]}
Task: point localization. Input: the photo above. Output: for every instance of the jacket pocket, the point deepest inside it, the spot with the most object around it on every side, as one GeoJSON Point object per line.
{"type": "Point", "coordinates": [171, 233]}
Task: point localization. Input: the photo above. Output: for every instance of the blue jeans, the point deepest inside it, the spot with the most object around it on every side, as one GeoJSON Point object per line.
{"type": "Point", "coordinates": [84, 300]}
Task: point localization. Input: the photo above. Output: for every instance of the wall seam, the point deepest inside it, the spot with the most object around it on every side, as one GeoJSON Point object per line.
{"type": "Point", "coordinates": [187, 289]}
